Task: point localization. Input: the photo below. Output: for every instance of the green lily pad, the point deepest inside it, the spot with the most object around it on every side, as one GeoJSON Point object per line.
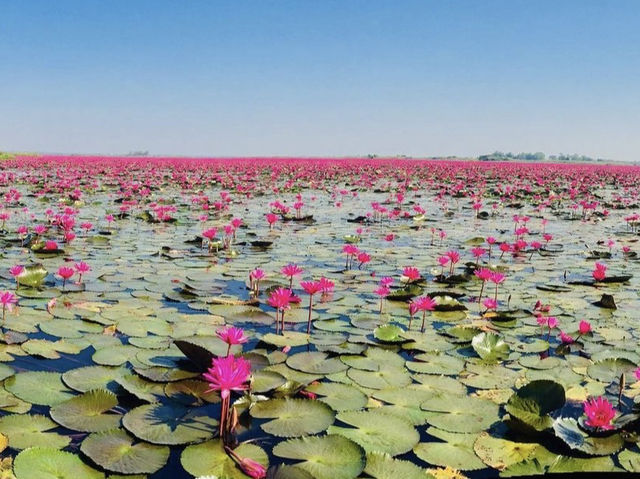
{"type": "Point", "coordinates": [377, 432]}
{"type": "Point", "coordinates": [210, 459]}
{"type": "Point", "coordinates": [490, 347]}
{"type": "Point", "coordinates": [47, 463]}
{"type": "Point", "coordinates": [86, 413]}
{"type": "Point", "coordinates": [389, 333]}
{"type": "Point", "coordinates": [502, 453]}
{"type": "Point", "coordinates": [340, 397]}
{"type": "Point", "coordinates": [38, 387]}
{"type": "Point", "coordinates": [532, 403]}
{"type": "Point", "coordinates": [383, 466]}
{"type": "Point", "coordinates": [324, 457]}
{"type": "Point", "coordinates": [608, 370]}
{"type": "Point", "coordinates": [32, 276]}
{"type": "Point", "coordinates": [116, 451]}
{"type": "Point", "coordinates": [456, 452]}
{"type": "Point", "coordinates": [25, 431]}
{"type": "Point", "coordinates": [567, 429]}
{"type": "Point", "coordinates": [169, 424]}
{"type": "Point", "coordinates": [93, 377]}
{"type": "Point", "coordinates": [293, 417]}
{"type": "Point", "coordinates": [315, 363]}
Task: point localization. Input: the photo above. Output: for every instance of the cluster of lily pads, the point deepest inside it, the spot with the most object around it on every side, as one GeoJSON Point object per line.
{"type": "Point", "coordinates": [395, 318]}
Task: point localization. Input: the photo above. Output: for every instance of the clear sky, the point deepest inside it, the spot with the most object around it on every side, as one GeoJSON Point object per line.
{"type": "Point", "coordinates": [321, 77]}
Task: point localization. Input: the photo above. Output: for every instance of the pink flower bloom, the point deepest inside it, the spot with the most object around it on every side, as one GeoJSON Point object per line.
{"type": "Point", "coordinates": [253, 469]}
{"type": "Point", "coordinates": [600, 272]}
{"type": "Point", "coordinates": [65, 272]}
{"type": "Point", "coordinates": [552, 322]}
{"type": "Point", "coordinates": [411, 273]}
{"type": "Point", "coordinates": [478, 252]}
{"type": "Point", "coordinates": [414, 308]}
{"type": "Point", "coordinates": [311, 287]}
{"type": "Point", "coordinates": [565, 338]}
{"type": "Point", "coordinates": [636, 373]}
{"type": "Point", "coordinates": [82, 267]}
{"type": "Point", "coordinates": [497, 278]}
{"type": "Point", "coordinates": [210, 233]}
{"type": "Point", "coordinates": [50, 245]}
{"type": "Point", "coordinates": [443, 260]}
{"type": "Point", "coordinates": [389, 237]}
{"type": "Point", "coordinates": [585, 327]}
{"type": "Point", "coordinates": [453, 256]}
{"type": "Point", "coordinates": [228, 374]}
{"type": "Point", "coordinates": [425, 303]}
{"type": "Point", "coordinates": [350, 249]}
{"type": "Point", "coordinates": [236, 222]}
{"type": "Point", "coordinates": [599, 412]}
{"type": "Point", "coordinates": [490, 303]}
{"type": "Point", "coordinates": [326, 285]}
{"type": "Point", "coordinates": [232, 335]}
{"type": "Point", "coordinates": [271, 218]}
{"type": "Point", "coordinates": [382, 291]}
{"type": "Point", "coordinates": [363, 258]}
{"type": "Point", "coordinates": [257, 274]}
{"type": "Point", "coordinates": [386, 281]}
{"type": "Point", "coordinates": [491, 240]}
{"type": "Point", "coordinates": [8, 299]}
{"type": "Point", "coordinates": [280, 298]}
{"type": "Point", "coordinates": [292, 270]}
{"type": "Point", "coordinates": [483, 273]}
{"type": "Point", "coordinates": [16, 270]}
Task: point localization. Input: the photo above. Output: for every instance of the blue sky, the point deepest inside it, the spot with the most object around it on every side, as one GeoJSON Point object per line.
{"type": "Point", "coordinates": [321, 77]}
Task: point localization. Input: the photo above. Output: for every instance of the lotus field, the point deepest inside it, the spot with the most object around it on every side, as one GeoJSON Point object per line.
{"type": "Point", "coordinates": [317, 318]}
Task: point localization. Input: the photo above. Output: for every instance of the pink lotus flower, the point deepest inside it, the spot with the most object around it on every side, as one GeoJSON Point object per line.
{"type": "Point", "coordinates": [363, 258]}
{"type": "Point", "coordinates": [326, 285]}
{"type": "Point", "coordinates": [411, 273]}
{"type": "Point", "coordinates": [552, 322]}
{"type": "Point", "coordinates": [254, 280]}
{"type": "Point", "coordinates": [82, 268]}
{"type": "Point", "coordinates": [636, 373]}
{"type": "Point", "coordinates": [600, 272]}
{"type": "Point", "coordinates": [16, 271]}
{"type": "Point", "coordinates": [565, 338]}
{"type": "Point", "coordinates": [311, 288]}
{"type": "Point", "coordinates": [599, 412]}
{"type": "Point", "coordinates": [225, 375]}
{"type": "Point", "coordinates": [585, 327]}
{"type": "Point", "coordinates": [65, 273]}
{"type": "Point", "coordinates": [291, 270]}
{"type": "Point", "coordinates": [280, 299]}
{"type": "Point", "coordinates": [490, 303]}
{"type": "Point", "coordinates": [389, 237]}
{"type": "Point", "coordinates": [231, 336]}
{"type": "Point", "coordinates": [386, 281]}
{"type": "Point", "coordinates": [7, 300]}
{"type": "Point", "coordinates": [50, 245]}
{"type": "Point", "coordinates": [271, 219]}
{"type": "Point", "coordinates": [483, 273]}
{"type": "Point", "coordinates": [253, 469]}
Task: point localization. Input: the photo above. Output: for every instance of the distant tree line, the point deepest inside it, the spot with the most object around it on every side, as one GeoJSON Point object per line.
{"type": "Point", "coordinates": [537, 156]}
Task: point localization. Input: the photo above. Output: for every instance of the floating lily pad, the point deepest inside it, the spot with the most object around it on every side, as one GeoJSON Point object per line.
{"type": "Point", "coordinates": [169, 424]}
{"type": "Point", "coordinates": [293, 417]}
{"type": "Point", "coordinates": [315, 363]}
{"type": "Point", "coordinates": [210, 459]}
{"type": "Point", "coordinates": [325, 457]}
{"type": "Point", "coordinates": [42, 462]}
{"type": "Point", "coordinates": [38, 387]}
{"type": "Point", "coordinates": [87, 413]}
{"type": "Point", "coordinates": [25, 431]}
{"type": "Point", "coordinates": [377, 432]}
{"type": "Point", "coordinates": [116, 451]}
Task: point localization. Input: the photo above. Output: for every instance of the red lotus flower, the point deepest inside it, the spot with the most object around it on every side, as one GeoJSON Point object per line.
{"type": "Point", "coordinates": [585, 327]}
{"type": "Point", "coordinates": [411, 273]}
{"type": "Point", "coordinates": [231, 336]}
{"type": "Point", "coordinates": [600, 272]}
{"type": "Point", "coordinates": [599, 412]}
